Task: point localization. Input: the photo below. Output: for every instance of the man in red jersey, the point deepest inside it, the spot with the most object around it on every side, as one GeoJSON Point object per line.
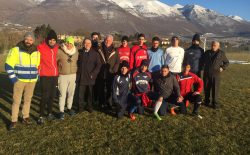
{"type": "Point", "coordinates": [124, 50]}
{"type": "Point", "coordinates": [138, 53]}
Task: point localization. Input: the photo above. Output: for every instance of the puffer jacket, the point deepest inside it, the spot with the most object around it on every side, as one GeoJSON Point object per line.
{"type": "Point", "coordinates": [193, 56]}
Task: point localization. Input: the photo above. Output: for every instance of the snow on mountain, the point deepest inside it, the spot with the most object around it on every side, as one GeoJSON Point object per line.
{"type": "Point", "coordinates": [146, 8]}
{"type": "Point", "coordinates": [136, 15]}
{"type": "Point", "coordinates": [237, 18]}
{"type": "Point", "coordinates": [177, 6]}
{"type": "Point", "coordinates": [37, 1]}
{"type": "Point", "coordinates": [204, 16]}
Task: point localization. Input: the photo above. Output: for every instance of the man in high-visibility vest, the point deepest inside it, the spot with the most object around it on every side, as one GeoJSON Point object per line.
{"type": "Point", "coordinates": [22, 67]}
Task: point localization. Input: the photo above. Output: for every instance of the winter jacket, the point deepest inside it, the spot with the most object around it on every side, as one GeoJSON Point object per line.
{"type": "Point", "coordinates": [141, 81]}
{"type": "Point", "coordinates": [186, 83]}
{"type": "Point", "coordinates": [174, 58]}
{"type": "Point", "coordinates": [89, 64]}
{"type": "Point", "coordinates": [110, 61]}
{"type": "Point", "coordinates": [138, 53]}
{"type": "Point", "coordinates": [124, 53]}
{"type": "Point", "coordinates": [22, 63]}
{"type": "Point", "coordinates": [121, 87]}
{"type": "Point", "coordinates": [67, 60]}
{"type": "Point", "coordinates": [193, 56]}
{"type": "Point", "coordinates": [213, 61]}
{"type": "Point", "coordinates": [156, 59]}
{"type": "Point", "coordinates": [166, 86]}
{"type": "Point", "coordinates": [48, 66]}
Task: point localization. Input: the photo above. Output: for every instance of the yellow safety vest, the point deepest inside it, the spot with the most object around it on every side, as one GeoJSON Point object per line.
{"type": "Point", "coordinates": [22, 65]}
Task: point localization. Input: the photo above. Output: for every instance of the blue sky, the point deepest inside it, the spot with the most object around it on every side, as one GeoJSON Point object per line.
{"type": "Point", "coordinates": [227, 7]}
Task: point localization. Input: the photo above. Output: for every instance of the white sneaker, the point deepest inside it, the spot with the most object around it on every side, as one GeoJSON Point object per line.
{"type": "Point", "coordinates": [199, 116]}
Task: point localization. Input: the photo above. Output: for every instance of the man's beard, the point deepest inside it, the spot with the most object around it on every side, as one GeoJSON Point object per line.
{"type": "Point", "coordinates": [28, 44]}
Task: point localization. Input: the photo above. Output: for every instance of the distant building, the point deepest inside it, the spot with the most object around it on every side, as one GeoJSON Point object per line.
{"type": "Point", "coordinates": [165, 41]}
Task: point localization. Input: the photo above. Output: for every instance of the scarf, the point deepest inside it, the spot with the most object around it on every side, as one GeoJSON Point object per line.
{"type": "Point", "coordinates": [69, 52]}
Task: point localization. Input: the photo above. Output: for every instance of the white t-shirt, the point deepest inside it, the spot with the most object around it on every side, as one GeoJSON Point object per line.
{"type": "Point", "coordinates": [174, 58]}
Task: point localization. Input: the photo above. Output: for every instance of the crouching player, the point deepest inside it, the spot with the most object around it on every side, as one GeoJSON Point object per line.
{"type": "Point", "coordinates": [187, 81]}
{"type": "Point", "coordinates": [121, 89]}
{"type": "Point", "coordinates": [140, 90]}
{"type": "Point", "coordinates": [169, 95]}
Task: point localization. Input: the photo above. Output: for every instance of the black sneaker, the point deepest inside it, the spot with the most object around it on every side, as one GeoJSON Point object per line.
{"type": "Point", "coordinates": [61, 115]}
{"type": "Point", "coordinates": [26, 121]}
{"type": "Point", "coordinates": [12, 126]}
{"type": "Point", "coordinates": [71, 112]}
{"type": "Point", "coordinates": [51, 117]}
{"type": "Point", "coordinates": [40, 121]}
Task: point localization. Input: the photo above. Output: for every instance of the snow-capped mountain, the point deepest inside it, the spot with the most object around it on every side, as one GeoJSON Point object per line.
{"type": "Point", "coordinates": [237, 18]}
{"type": "Point", "coordinates": [146, 8]}
{"type": "Point", "coordinates": [126, 16]}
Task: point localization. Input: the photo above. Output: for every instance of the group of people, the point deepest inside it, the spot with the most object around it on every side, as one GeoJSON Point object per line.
{"type": "Point", "coordinates": [129, 79]}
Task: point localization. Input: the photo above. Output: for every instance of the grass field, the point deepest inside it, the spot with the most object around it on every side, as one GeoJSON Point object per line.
{"type": "Point", "coordinates": [222, 131]}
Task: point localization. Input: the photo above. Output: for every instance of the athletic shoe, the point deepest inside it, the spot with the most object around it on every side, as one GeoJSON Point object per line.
{"type": "Point", "coordinates": [172, 111]}
{"type": "Point", "coordinates": [12, 126]}
{"type": "Point", "coordinates": [26, 121]}
{"type": "Point", "coordinates": [132, 117]}
{"type": "Point", "coordinates": [61, 115]}
{"type": "Point", "coordinates": [40, 121]}
{"type": "Point", "coordinates": [51, 117]}
{"type": "Point", "coordinates": [71, 112]}
{"type": "Point", "coordinates": [157, 116]}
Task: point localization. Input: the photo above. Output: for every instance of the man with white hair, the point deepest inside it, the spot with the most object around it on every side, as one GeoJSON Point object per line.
{"type": "Point", "coordinates": [110, 64]}
{"type": "Point", "coordinates": [22, 67]}
{"type": "Point", "coordinates": [214, 62]}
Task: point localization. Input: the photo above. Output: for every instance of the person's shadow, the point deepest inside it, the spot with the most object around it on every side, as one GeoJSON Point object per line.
{"type": "Point", "coordinates": [6, 100]}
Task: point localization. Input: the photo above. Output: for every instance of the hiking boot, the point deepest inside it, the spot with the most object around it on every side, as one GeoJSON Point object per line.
{"type": "Point", "coordinates": [61, 115]}
{"type": "Point", "coordinates": [12, 126]}
{"type": "Point", "coordinates": [132, 117]}
{"type": "Point", "coordinates": [40, 121]}
{"type": "Point", "coordinates": [26, 121]}
{"type": "Point", "coordinates": [51, 117]}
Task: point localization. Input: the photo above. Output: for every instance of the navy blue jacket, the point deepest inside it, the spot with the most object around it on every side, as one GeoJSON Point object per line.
{"type": "Point", "coordinates": [193, 56]}
{"type": "Point", "coordinates": [121, 88]}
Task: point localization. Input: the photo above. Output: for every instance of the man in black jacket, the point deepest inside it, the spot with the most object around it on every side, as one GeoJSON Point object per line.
{"type": "Point", "coordinates": [215, 62]}
{"type": "Point", "coordinates": [110, 64]}
{"type": "Point", "coordinates": [193, 55]}
{"type": "Point", "coordinates": [89, 64]}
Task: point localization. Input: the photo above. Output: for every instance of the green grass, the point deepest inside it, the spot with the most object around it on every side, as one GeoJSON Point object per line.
{"type": "Point", "coordinates": [222, 131]}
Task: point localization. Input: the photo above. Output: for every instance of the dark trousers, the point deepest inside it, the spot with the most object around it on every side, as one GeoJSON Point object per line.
{"type": "Point", "coordinates": [83, 91]}
{"type": "Point", "coordinates": [104, 94]}
{"type": "Point", "coordinates": [136, 103]}
{"type": "Point", "coordinates": [172, 102]}
{"type": "Point", "coordinates": [196, 99]}
{"type": "Point", "coordinates": [211, 84]}
{"type": "Point", "coordinates": [48, 90]}
{"type": "Point", "coordinates": [121, 106]}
